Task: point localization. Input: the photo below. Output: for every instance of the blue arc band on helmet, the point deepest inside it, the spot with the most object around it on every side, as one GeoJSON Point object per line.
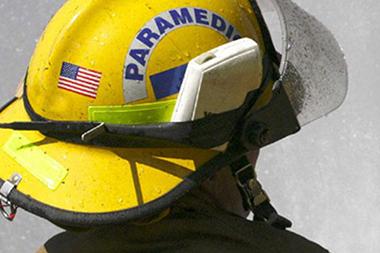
{"type": "Point", "coordinates": [154, 31]}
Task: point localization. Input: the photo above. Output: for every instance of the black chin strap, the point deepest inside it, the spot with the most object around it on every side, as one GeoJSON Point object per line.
{"type": "Point", "coordinates": [254, 197]}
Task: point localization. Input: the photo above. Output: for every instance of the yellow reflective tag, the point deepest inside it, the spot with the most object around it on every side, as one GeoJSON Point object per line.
{"type": "Point", "coordinates": [148, 113]}
{"type": "Point", "coordinates": [35, 161]}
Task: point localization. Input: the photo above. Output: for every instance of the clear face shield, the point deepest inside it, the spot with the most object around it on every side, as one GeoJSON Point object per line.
{"type": "Point", "coordinates": [313, 68]}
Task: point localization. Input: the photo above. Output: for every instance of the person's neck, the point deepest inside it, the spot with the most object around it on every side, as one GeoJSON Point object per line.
{"type": "Point", "coordinates": [223, 192]}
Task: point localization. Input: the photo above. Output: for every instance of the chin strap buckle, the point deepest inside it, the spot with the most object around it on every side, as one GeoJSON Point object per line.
{"type": "Point", "coordinates": [254, 197]}
{"type": "Point", "coordinates": [7, 208]}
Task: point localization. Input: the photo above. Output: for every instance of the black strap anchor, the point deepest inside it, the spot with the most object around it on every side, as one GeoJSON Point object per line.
{"type": "Point", "coordinates": [254, 197]}
{"type": "Point", "coordinates": [7, 208]}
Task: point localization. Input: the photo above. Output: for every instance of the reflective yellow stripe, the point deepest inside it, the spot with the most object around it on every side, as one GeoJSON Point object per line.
{"type": "Point", "coordinates": [157, 112]}
{"type": "Point", "coordinates": [35, 161]}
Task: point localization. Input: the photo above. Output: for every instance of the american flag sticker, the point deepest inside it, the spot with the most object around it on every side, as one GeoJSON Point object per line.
{"type": "Point", "coordinates": [79, 80]}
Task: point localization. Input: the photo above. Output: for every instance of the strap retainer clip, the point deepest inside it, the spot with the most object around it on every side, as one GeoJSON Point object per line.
{"type": "Point", "coordinates": [7, 208]}
{"type": "Point", "coordinates": [256, 199]}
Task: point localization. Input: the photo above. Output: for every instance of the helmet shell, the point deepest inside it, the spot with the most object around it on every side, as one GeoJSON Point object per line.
{"type": "Point", "coordinates": [132, 45]}
{"type": "Point", "coordinates": [97, 37]}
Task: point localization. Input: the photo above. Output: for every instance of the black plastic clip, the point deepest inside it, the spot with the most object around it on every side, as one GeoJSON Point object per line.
{"type": "Point", "coordinates": [266, 212]}
{"type": "Point", "coordinates": [256, 199]}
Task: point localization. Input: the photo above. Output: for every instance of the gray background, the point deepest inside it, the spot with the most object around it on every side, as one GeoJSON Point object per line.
{"type": "Point", "coordinates": [325, 178]}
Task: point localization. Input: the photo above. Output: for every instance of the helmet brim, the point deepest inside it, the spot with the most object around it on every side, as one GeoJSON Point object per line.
{"type": "Point", "coordinates": [92, 181]}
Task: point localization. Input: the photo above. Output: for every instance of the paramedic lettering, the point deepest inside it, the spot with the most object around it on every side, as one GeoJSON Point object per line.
{"type": "Point", "coordinates": [154, 31]}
